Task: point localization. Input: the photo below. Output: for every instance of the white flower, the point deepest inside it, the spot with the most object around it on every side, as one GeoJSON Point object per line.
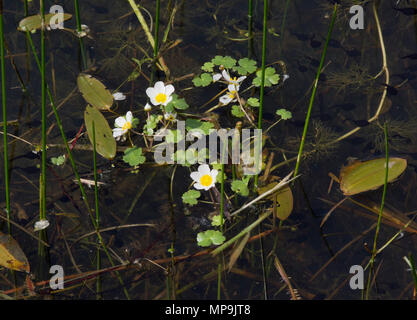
{"type": "Point", "coordinates": [217, 77]}
{"type": "Point", "coordinates": [170, 116]}
{"type": "Point", "coordinates": [228, 97]}
{"type": "Point", "coordinates": [234, 83]}
{"type": "Point", "coordinates": [204, 178]}
{"type": "Point", "coordinates": [41, 224]}
{"type": "Point", "coordinates": [160, 94]}
{"type": "Point", "coordinates": [119, 96]}
{"type": "Point", "coordinates": [122, 126]}
{"type": "Point", "coordinates": [285, 77]}
{"type": "Point", "coordinates": [148, 107]}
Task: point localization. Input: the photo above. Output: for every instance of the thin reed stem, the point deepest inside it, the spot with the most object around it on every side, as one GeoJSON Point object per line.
{"type": "Point", "coordinates": [98, 286]}
{"type": "Point", "coordinates": [313, 94]}
{"type": "Point", "coordinates": [250, 29]}
{"type": "Point", "coordinates": [3, 96]}
{"type": "Point", "coordinates": [42, 214]}
{"type": "Point", "coordinates": [261, 95]}
{"type": "Point", "coordinates": [79, 30]}
{"type": "Point", "coordinates": [156, 37]}
{"type": "Point", "coordinates": [374, 251]}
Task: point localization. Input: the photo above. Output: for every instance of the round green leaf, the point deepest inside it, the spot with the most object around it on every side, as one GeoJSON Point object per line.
{"type": "Point", "coordinates": [94, 92]}
{"type": "Point", "coordinates": [105, 143]}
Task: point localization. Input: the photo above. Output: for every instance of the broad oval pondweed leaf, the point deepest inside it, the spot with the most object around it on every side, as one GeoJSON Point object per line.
{"type": "Point", "coordinates": [11, 255]}
{"type": "Point", "coordinates": [369, 175]}
{"type": "Point", "coordinates": [94, 92]}
{"type": "Point", "coordinates": [32, 23]}
{"type": "Point", "coordinates": [284, 198]}
{"type": "Point", "coordinates": [105, 143]}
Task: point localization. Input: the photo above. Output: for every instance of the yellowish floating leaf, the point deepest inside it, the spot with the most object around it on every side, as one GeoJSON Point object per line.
{"type": "Point", "coordinates": [369, 175]}
{"type": "Point", "coordinates": [285, 200]}
{"type": "Point", "coordinates": [35, 22]}
{"type": "Point", "coordinates": [94, 92]}
{"type": "Point", "coordinates": [105, 143]}
{"type": "Point", "coordinates": [11, 255]}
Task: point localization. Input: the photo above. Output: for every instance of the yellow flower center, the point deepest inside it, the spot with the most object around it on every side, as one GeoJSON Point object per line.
{"type": "Point", "coordinates": [232, 94]}
{"type": "Point", "coordinates": [161, 97]}
{"type": "Point", "coordinates": [127, 126]}
{"type": "Point", "coordinates": [206, 180]}
{"type": "Point", "coordinates": [233, 80]}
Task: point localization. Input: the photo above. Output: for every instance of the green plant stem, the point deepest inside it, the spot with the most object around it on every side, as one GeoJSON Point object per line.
{"type": "Point", "coordinates": [380, 211]}
{"type": "Point", "coordinates": [155, 47]}
{"type": "Point", "coordinates": [43, 108]}
{"type": "Point", "coordinates": [261, 95]}
{"type": "Point", "coordinates": [3, 96]}
{"type": "Point", "coordinates": [313, 94]}
{"type": "Point", "coordinates": [250, 29]}
{"type": "Point", "coordinates": [79, 29]}
{"type": "Point", "coordinates": [98, 287]}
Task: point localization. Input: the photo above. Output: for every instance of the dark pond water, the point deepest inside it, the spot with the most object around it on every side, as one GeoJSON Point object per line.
{"type": "Point", "coordinates": [347, 96]}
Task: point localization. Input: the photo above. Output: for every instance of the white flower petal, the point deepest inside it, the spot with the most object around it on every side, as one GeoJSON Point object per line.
{"type": "Point", "coordinates": [119, 96]}
{"type": "Point", "coordinates": [225, 99]}
{"type": "Point", "coordinates": [151, 93]}
{"type": "Point", "coordinates": [195, 176]}
{"type": "Point", "coordinates": [119, 122]}
{"type": "Point", "coordinates": [129, 117]}
{"type": "Point", "coordinates": [199, 186]}
{"type": "Point", "coordinates": [41, 224]}
{"type": "Point", "coordinates": [233, 87]}
{"type": "Point", "coordinates": [226, 75]}
{"type": "Point", "coordinates": [117, 132]}
{"type": "Point", "coordinates": [214, 174]}
{"type": "Point", "coordinates": [241, 79]}
{"type": "Point", "coordinates": [169, 89]}
{"type": "Point", "coordinates": [217, 77]}
{"type": "Point", "coordinates": [204, 169]}
{"type": "Point", "coordinates": [159, 87]}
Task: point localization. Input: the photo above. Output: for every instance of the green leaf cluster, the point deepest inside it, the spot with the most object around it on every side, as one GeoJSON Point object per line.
{"type": "Point", "coordinates": [133, 156]}
{"type": "Point", "coordinates": [210, 237]}
{"type": "Point", "coordinates": [190, 197]}
{"type": "Point", "coordinates": [58, 161]}
{"type": "Point", "coordinates": [245, 66]}
{"type": "Point", "coordinates": [271, 77]}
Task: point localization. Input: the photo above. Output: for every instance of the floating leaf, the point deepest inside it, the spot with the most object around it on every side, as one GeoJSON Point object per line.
{"type": "Point", "coordinates": [194, 124]}
{"type": "Point", "coordinates": [190, 197]}
{"type": "Point", "coordinates": [237, 111]}
{"type": "Point", "coordinates": [105, 143]}
{"type": "Point", "coordinates": [11, 255]}
{"type": "Point", "coordinates": [271, 77]}
{"type": "Point", "coordinates": [32, 23]}
{"type": "Point", "coordinates": [208, 66]}
{"type": "Point", "coordinates": [209, 237]}
{"type": "Point", "coordinates": [240, 187]}
{"type": "Point", "coordinates": [133, 156]}
{"type": "Point", "coordinates": [58, 161]}
{"type": "Point", "coordinates": [203, 80]}
{"type": "Point", "coordinates": [245, 66]}
{"type": "Point", "coordinates": [173, 136]}
{"type": "Point", "coordinates": [284, 114]}
{"type": "Point", "coordinates": [227, 62]}
{"type": "Point", "coordinates": [177, 103]}
{"type": "Point", "coordinates": [253, 102]}
{"type": "Point", "coordinates": [216, 221]}
{"type": "Point", "coordinates": [369, 175]}
{"type": "Point", "coordinates": [94, 92]}
{"type": "Point", "coordinates": [150, 125]}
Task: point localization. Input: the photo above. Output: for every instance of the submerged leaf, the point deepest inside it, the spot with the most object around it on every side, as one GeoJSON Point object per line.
{"type": "Point", "coordinates": [285, 200]}
{"type": "Point", "coordinates": [105, 143]}
{"type": "Point", "coordinates": [11, 255]}
{"type": "Point", "coordinates": [369, 175]}
{"type": "Point", "coordinates": [94, 92]}
{"type": "Point", "coordinates": [35, 22]}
